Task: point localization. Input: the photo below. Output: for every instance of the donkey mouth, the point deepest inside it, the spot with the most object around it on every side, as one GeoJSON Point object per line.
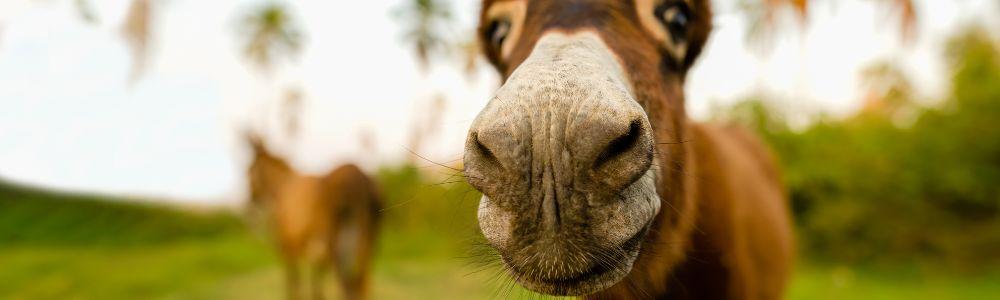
{"type": "Point", "coordinates": [605, 270]}
{"type": "Point", "coordinates": [596, 278]}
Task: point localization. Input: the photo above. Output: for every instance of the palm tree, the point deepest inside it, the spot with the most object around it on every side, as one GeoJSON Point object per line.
{"type": "Point", "coordinates": [762, 16]}
{"type": "Point", "coordinates": [470, 50]}
{"type": "Point", "coordinates": [907, 18]}
{"type": "Point", "coordinates": [889, 90]}
{"type": "Point", "coordinates": [136, 31]}
{"type": "Point", "coordinates": [291, 110]}
{"type": "Point", "coordinates": [424, 20]}
{"type": "Point", "coordinates": [86, 11]}
{"type": "Point", "coordinates": [270, 34]}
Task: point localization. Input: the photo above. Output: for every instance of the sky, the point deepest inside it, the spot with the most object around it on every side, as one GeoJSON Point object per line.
{"type": "Point", "coordinates": [71, 119]}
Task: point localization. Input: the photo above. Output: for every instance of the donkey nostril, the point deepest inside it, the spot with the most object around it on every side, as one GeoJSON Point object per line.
{"type": "Point", "coordinates": [484, 153]}
{"type": "Point", "coordinates": [620, 145]}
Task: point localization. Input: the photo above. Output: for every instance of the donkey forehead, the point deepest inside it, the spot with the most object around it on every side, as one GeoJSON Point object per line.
{"type": "Point", "coordinates": [617, 22]}
{"type": "Point", "coordinates": [568, 14]}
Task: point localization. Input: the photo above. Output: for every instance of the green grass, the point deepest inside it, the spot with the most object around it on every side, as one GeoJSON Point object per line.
{"type": "Point", "coordinates": [819, 281]}
{"type": "Point", "coordinates": [125, 273]}
{"type": "Point", "coordinates": [64, 246]}
{"type": "Point", "coordinates": [70, 246]}
{"type": "Point", "coordinates": [31, 216]}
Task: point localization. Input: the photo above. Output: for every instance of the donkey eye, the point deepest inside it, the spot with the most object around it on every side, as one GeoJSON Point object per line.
{"type": "Point", "coordinates": [497, 32]}
{"type": "Point", "coordinates": [675, 17]}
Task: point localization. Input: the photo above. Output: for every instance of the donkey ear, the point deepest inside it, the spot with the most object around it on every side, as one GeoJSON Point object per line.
{"type": "Point", "coordinates": [254, 141]}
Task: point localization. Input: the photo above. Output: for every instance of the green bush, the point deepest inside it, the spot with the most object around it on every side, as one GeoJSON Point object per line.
{"type": "Point", "coordinates": [874, 188]}
{"type": "Point", "coordinates": [432, 198]}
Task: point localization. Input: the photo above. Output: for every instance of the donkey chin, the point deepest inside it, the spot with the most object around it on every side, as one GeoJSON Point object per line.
{"type": "Point", "coordinates": [583, 254]}
{"type": "Point", "coordinates": [565, 164]}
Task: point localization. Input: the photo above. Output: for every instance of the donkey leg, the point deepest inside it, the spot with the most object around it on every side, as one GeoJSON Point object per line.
{"type": "Point", "coordinates": [348, 275]}
{"type": "Point", "coordinates": [349, 287]}
{"type": "Point", "coordinates": [355, 280]}
{"type": "Point", "coordinates": [292, 286]}
{"type": "Point", "coordinates": [317, 280]}
{"type": "Point", "coordinates": [363, 276]}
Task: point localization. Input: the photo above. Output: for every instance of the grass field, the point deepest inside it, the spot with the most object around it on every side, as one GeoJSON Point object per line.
{"type": "Point", "coordinates": [63, 246]}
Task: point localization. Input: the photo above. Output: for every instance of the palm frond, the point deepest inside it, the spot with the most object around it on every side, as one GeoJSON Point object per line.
{"type": "Point", "coordinates": [425, 21]}
{"type": "Point", "coordinates": [907, 18]}
{"type": "Point", "coordinates": [86, 11]}
{"type": "Point", "coordinates": [762, 15]}
{"type": "Point", "coordinates": [270, 34]}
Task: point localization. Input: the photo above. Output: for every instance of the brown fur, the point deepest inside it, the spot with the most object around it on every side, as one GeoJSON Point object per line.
{"type": "Point", "coordinates": [724, 231]}
{"type": "Point", "coordinates": [318, 222]}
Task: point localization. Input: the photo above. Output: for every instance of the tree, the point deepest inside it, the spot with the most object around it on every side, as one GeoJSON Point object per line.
{"type": "Point", "coordinates": [291, 110]}
{"type": "Point", "coordinates": [86, 11]}
{"type": "Point", "coordinates": [864, 189]}
{"type": "Point", "coordinates": [889, 91]}
{"type": "Point", "coordinates": [424, 20]}
{"type": "Point", "coordinates": [762, 16]}
{"type": "Point", "coordinates": [136, 30]}
{"type": "Point", "coordinates": [470, 50]}
{"type": "Point", "coordinates": [270, 33]}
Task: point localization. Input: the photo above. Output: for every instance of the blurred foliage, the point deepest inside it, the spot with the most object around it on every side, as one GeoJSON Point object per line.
{"type": "Point", "coordinates": [763, 17]}
{"type": "Point", "coordinates": [431, 198]}
{"type": "Point", "coordinates": [425, 23]}
{"type": "Point", "coordinates": [86, 11]}
{"type": "Point", "coordinates": [270, 33]}
{"type": "Point", "coordinates": [870, 188]}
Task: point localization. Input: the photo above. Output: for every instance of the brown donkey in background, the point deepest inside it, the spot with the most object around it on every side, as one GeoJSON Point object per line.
{"type": "Point", "coordinates": [317, 222]}
{"type": "Point", "coordinates": [595, 182]}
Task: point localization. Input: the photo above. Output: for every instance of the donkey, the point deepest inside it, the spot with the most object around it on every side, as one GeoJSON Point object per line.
{"type": "Point", "coordinates": [317, 222]}
{"type": "Point", "coordinates": [595, 182]}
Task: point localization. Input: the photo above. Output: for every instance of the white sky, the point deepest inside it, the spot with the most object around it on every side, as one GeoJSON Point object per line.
{"type": "Point", "coordinates": [69, 119]}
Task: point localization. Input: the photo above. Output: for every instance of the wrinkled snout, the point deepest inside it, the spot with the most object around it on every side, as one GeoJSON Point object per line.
{"type": "Point", "coordinates": [567, 134]}
{"type": "Point", "coordinates": [563, 156]}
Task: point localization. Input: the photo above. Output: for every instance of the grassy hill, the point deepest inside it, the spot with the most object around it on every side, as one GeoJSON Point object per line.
{"type": "Point", "coordinates": [57, 245]}
{"type": "Point", "coordinates": [32, 216]}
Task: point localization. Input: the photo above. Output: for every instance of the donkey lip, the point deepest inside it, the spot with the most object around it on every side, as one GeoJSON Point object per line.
{"type": "Point", "coordinates": [594, 272]}
{"type": "Point", "coordinates": [594, 279]}
{"type": "Point", "coordinates": [597, 277]}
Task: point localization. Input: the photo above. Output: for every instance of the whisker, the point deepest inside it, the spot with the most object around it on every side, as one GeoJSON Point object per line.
{"type": "Point", "coordinates": [445, 183]}
{"type": "Point", "coordinates": [428, 160]}
{"type": "Point", "coordinates": [674, 143]}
